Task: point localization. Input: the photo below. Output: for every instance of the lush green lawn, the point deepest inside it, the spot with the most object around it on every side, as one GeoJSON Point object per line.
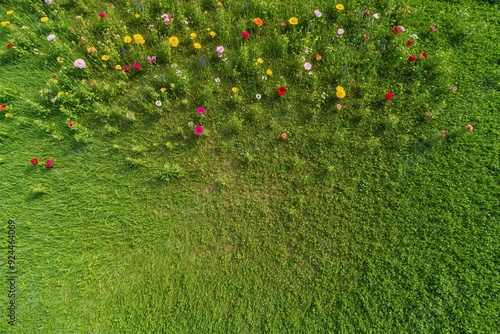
{"type": "Point", "coordinates": [365, 219]}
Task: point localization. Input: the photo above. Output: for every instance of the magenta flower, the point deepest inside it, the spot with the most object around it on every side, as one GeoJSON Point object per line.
{"type": "Point", "coordinates": [126, 68]}
{"type": "Point", "coordinates": [433, 28]}
{"type": "Point", "coordinates": [137, 65]}
{"type": "Point", "coordinates": [151, 59]}
{"type": "Point", "coordinates": [340, 32]}
{"type": "Point", "coordinates": [469, 127]}
{"type": "Point", "coordinates": [198, 129]}
{"type": "Point", "coordinates": [102, 15]}
{"type": "Point", "coordinates": [200, 110]}
{"type": "Point", "coordinates": [307, 66]}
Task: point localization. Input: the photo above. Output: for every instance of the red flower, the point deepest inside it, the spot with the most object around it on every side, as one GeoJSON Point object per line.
{"type": "Point", "coordinates": [409, 43]}
{"type": "Point", "coordinates": [53, 75]}
{"type": "Point", "coordinates": [49, 163]}
{"type": "Point", "coordinates": [34, 161]}
{"type": "Point", "coordinates": [395, 30]}
{"type": "Point", "coordinates": [423, 55]}
{"type": "Point", "coordinates": [389, 95]}
{"type": "Point", "coordinates": [9, 45]}
{"type": "Point", "coordinates": [126, 68]}
{"type": "Point", "coordinates": [245, 34]}
{"type": "Point", "coordinates": [3, 107]}
{"type": "Point", "coordinates": [282, 91]}
{"type": "Point", "coordinates": [70, 124]}
{"type": "Point", "coordinates": [412, 58]}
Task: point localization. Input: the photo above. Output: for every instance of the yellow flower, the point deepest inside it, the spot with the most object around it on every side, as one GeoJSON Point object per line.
{"type": "Point", "coordinates": [105, 57]}
{"type": "Point", "coordinates": [192, 35]}
{"type": "Point", "coordinates": [138, 39]}
{"type": "Point", "coordinates": [234, 89]}
{"type": "Point", "coordinates": [137, 16]}
{"type": "Point", "coordinates": [118, 67]}
{"type": "Point", "coordinates": [173, 41]}
{"type": "Point", "coordinates": [259, 61]}
{"type": "Point", "coordinates": [8, 114]}
{"type": "Point", "coordinates": [163, 89]}
{"type": "Point", "coordinates": [293, 21]}
{"type": "Point", "coordinates": [10, 12]}
{"type": "Point", "coordinates": [127, 39]}
{"type": "Point", "coordinates": [213, 34]}
{"type": "Point", "coordinates": [4, 23]}
{"type": "Point", "coordinates": [59, 59]}
{"type": "Point", "coordinates": [340, 92]}
{"type": "Point", "coordinates": [269, 72]}
{"type": "Point", "coordinates": [44, 19]}
{"type": "Point", "coordinates": [197, 45]}
{"type": "Point", "coordinates": [59, 94]}
{"type": "Point", "coordinates": [340, 6]}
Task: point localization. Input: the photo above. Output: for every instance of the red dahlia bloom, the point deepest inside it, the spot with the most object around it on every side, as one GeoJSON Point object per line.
{"type": "Point", "coordinates": [9, 45]}
{"type": "Point", "coordinates": [245, 34]}
{"type": "Point", "coordinates": [389, 95]}
{"type": "Point", "coordinates": [395, 30]}
{"type": "Point", "coordinates": [412, 58]}
{"type": "Point", "coordinates": [409, 43]}
{"type": "Point", "coordinates": [34, 161]}
{"type": "Point", "coordinates": [49, 163]}
{"type": "Point", "coordinates": [3, 107]}
{"type": "Point", "coordinates": [423, 55]}
{"type": "Point", "coordinates": [282, 91]}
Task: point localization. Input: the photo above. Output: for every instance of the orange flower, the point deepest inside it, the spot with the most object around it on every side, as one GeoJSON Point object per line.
{"type": "Point", "coordinates": [318, 57]}
{"type": "Point", "coordinates": [258, 21]}
{"type": "Point", "coordinates": [91, 49]}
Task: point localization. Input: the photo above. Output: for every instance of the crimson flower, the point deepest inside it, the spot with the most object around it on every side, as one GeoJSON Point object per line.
{"type": "Point", "coordinates": [389, 95]}
{"type": "Point", "coordinates": [49, 163]}
{"type": "Point", "coordinates": [102, 15]}
{"type": "Point", "coordinates": [245, 34]}
{"type": "Point", "coordinates": [70, 124]}
{"type": "Point", "coordinates": [34, 161]}
{"type": "Point", "coordinates": [395, 30]}
{"type": "Point", "coordinates": [9, 45]}
{"type": "Point", "coordinates": [3, 107]}
{"type": "Point", "coordinates": [423, 55]}
{"type": "Point", "coordinates": [137, 65]}
{"type": "Point", "coordinates": [409, 43]}
{"type": "Point", "coordinates": [282, 91]}
{"type": "Point", "coordinates": [126, 68]}
{"type": "Point", "coordinates": [412, 58]}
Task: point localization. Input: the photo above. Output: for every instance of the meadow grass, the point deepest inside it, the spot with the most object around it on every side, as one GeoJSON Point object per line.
{"type": "Point", "coordinates": [368, 218]}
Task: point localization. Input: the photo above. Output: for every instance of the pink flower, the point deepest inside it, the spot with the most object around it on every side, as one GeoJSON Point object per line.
{"type": "Point", "coordinates": [200, 110]}
{"type": "Point", "coordinates": [366, 36]}
{"type": "Point", "coordinates": [453, 88]}
{"type": "Point", "coordinates": [469, 127]}
{"type": "Point", "coordinates": [80, 63]}
{"type": "Point", "coordinates": [137, 65]}
{"type": "Point", "coordinates": [198, 129]}
{"type": "Point", "coordinates": [340, 32]}
{"type": "Point", "coordinates": [433, 28]}
{"type": "Point", "coordinates": [70, 124]}
{"type": "Point", "coordinates": [318, 13]}
{"type": "Point", "coordinates": [367, 12]}
{"type": "Point", "coordinates": [102, 15]}
{"type": "Point", "coordinates": [307, 66]}
{"type": "Point", "coordinates": [284, 136]}
{"type": "Point", "coordinates": [220, 49]}
{"type": "Point", "coordinates": [245, 34]}
{"type": "Point", "coordinates": [151, 59]}
{"type": "Point", "coordinates": [339, 106]}
{"type": "Point", "coordinates": [49, 163]}
{"type": "Point", "coordinates": [126, 68]}
{"type": "Point", "coordinates": [283, 24]}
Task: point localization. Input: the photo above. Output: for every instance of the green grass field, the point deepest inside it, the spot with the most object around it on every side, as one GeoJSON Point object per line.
{"type": "Point", "coordinates": [312, 212]}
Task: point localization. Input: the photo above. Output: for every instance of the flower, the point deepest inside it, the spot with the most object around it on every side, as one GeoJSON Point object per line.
{"type": "Point", "coordinates": [163, 89]}
{"type": "Point", "coordinates": [389, 95]}
{"type": "Point", "coordinates": [307, 66]}
{"type": "Point", "coordinates": [367, 12]}
{"type": "Point", "coordinates": [340, 92]}
{"type": "Point", "coordinates": [34, 161]}
{"type": "Point", "coordinates": [234, 89]}
{"type": "Point", "coordinates": [469, 127]}
{"type": "Point", "coordinates": [396, 30]}
{"type": "Point", "coordinates": [158, 103]}
{"type": "Point", "coordinates": [220, 49]}
{"type": "Point", "coordinates": [423, 55]}
{"type": "Point", "coordinates": [151, 59]}
{"type": "Point", "coordinates": [444, 133]}
{"type": "Point", "coordinates": [376, 16]}
{"type": "Point", "coordinates": [409, 43]}
{"type": "Point", "coordinates": [137, 16]}
{"type": "Point", "coordinates": [284, 136]}
{"type": "Point", "coordinates": [283, 24]}
{"type": "Point", "coordinates": [91, 49]}
{"type": "Point", "coordinates": [213, 34]}
{"type": "Point", "coordinates": [258, 96]}
{"type": "Point", "coordinates": [245, 34]}
{"type": "Point", "coordinates": [70, 124]}
{"type": "Point", "coordinates": [293, 21]}
{"type": "Point", "coordinates": [105, 57]}
{"type": "Point", "coordinates": [198, 130]}
{"type": "Point", "coordinates": [433, 28]}
{"type": "Point", "coordinates": [339, 106]}
{"type": "Point", "coordinates": [366, 36]}
{"type": "Point", "coordinates": [137, 65]}
{"type": "Point", "coordinates": [282, 91]}
{"type": "Point", "coordinates": [80, 63]}
{"type": "Point", "coordinates": [401, 28]}
{"type": "Point", "coordinates": [340, 32]}
{"type": "Point", "coordinates": [318, 57]}
{"type": "Point", "coordinates": [453, 88]}
{"type": "Point", "coordinates": [192, 35]}
{"type": "Point", "coordinates": [200, 110]}
{"type": "Point", "coordinates": [269, 72]}
{"type": "Point", "coordinates": [217, 80]}
{"type": "Point", "coordinates": [126, 68]}
{"type": "Point", "coordinates": [197, 45]}
{"type": "Point", "coordinates": [9, 12]}
{"type": "Point", "coordinates": [127, 39]}
{"type": "Point", "coordinates": [3, 107]}
{"type": "Point", "coordinates": [412, 58]}
{"type": "Point", "coordinates": [102, 15]}
{"type": "Point", "coordinates": [340, 6]}
{"type": "Point", "coordinates": [173, 41]}
{"type": "Point", "coordinates": [44, 19]}
{"type": "Point", "coordinates": [118, 67]}
{"type": "Point", "coordinates": [259, 61]}
{"type": "Point", "coordinates": [258, 21]}
{"type": "Point", "coordinates": [49, 163]}
{"type": "Point", "coordinates": [4, 23]}
{"type": "Point", "coordinates": [51, 37]}
{"type": "Point", "coordinates": [138, 39]}
{"type": "Point", "coordinates": [318, 13]}
{"type": "Point", "coordinates": [48, 2]}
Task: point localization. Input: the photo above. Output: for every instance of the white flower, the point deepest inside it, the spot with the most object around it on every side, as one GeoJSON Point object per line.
{"type": "Point", "coordinates": [51, 37]}
{"type": "Point", "coordinates": [190, 124]}
{"type": "Point", "coordinates": [158, 103]}
{"type": "Point", "coordinates": [258, 96]}
{"type": "Point", "coordinates": [414, 36]}
{"type": "Point", "coordinates": [376, 16]}
{"type": "Point", "coordinates": [217, 80]}
{"type": "Point", "coordinates": [264, 77]}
